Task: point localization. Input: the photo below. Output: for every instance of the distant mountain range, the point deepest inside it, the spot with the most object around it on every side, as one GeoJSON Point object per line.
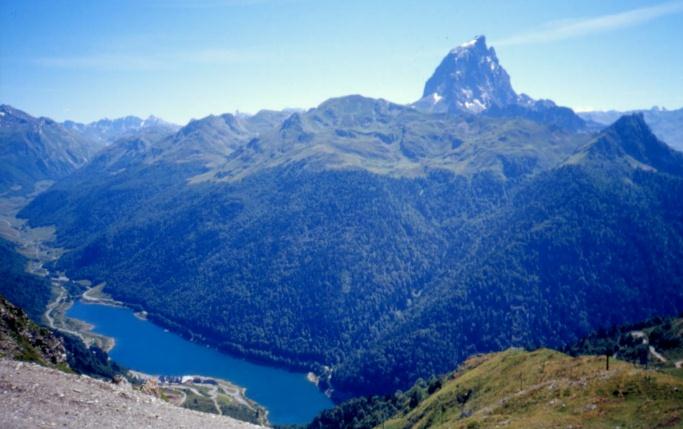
{"type": "Point", "coordinates": [106, 131]}
{"type": "Point", "coordinates": [377, 243]}
{"type": "Point", "coordinates": [39, 149]}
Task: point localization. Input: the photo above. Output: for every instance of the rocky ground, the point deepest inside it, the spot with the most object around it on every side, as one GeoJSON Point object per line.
{"type": "Point", "coordinates": [32, 396]}
{"type": "Point", "coordinates": [22, 339]}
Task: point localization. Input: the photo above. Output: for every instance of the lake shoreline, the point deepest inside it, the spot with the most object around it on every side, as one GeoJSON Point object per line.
{"type": "Point", "coordinates": [236, 350]}
{"type": "Point", "coordinates": [279, 386]}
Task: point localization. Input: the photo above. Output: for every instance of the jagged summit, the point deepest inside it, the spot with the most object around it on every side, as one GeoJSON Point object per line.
{"type": "Point", "coordinates": [470, 79]}
{"type": "Point", "coordinates": [478, 42]}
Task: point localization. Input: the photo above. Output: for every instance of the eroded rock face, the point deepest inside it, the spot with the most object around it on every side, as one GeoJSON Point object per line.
{"type": "Point", "coordinates": [22, 339]}
{"type": "Point", "coordinates": [32, 396]}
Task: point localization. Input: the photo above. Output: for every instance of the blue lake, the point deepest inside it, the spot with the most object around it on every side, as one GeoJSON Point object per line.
{"type": "Point", "coordinates": [144, 346]}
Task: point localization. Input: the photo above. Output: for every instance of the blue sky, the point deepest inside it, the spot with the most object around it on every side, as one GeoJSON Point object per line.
{"type": "Point", "coordinates": [86, 60]}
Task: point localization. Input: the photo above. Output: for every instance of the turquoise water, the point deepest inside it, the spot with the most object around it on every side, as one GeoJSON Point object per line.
{"type": "Point", "coordinates": [144, 346]}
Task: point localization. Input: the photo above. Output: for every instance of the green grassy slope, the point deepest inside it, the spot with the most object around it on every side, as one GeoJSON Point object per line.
{"type": "Point", "coordinates": [548, 389]}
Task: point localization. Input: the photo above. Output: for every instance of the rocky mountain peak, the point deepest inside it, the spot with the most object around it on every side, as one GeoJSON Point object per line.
{"type": "Point", "coordinates": [470, 79]}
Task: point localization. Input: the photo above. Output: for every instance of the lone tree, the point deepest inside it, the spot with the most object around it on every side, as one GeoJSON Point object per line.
{"type": "Point", "coordinates": [609, 350]}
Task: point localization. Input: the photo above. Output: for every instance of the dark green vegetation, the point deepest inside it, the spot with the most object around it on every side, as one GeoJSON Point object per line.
{"type": "Point", "coordinates": [91, 361]}
{"type": "Point", "coordinates": [31, 293]}
{"type": "Point", "coordinates": [388, 243]}
{"type": "Point", "coordinates": [368, 412]}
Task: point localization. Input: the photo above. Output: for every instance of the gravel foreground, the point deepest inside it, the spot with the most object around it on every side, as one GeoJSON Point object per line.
{"type": "Point", "coordinates": [32, 396]}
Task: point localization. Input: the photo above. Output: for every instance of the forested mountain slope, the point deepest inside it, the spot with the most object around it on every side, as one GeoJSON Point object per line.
{"type": "Point", "coordinates": [30, 292]}
{"type": "Point", "coordinates": [306, 257]}
{"type": "Point", "coordinates": [593, 242]}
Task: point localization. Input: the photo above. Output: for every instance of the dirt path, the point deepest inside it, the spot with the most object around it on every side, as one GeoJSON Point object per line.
{"type": "Point", "coordinates": [656, 354]}
{"type": "Point", "coordinates": [213, 394]}
{"type": "Point", "coordinates": [653, 351]}
{"type": "Point", "coordinates": [183, 397]}
{"type": "Point", "coordinates": [50, 308]}
{"type": "Point", "coordinates": [235, 393]}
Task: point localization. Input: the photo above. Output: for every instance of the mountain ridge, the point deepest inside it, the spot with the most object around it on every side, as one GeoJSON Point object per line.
{"type": "Point", "coordinates": [630, 138]}
{"type": "Point", "coordinates": [105, 131]}
{"type": "Point", "coordinates": [666, 124]}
